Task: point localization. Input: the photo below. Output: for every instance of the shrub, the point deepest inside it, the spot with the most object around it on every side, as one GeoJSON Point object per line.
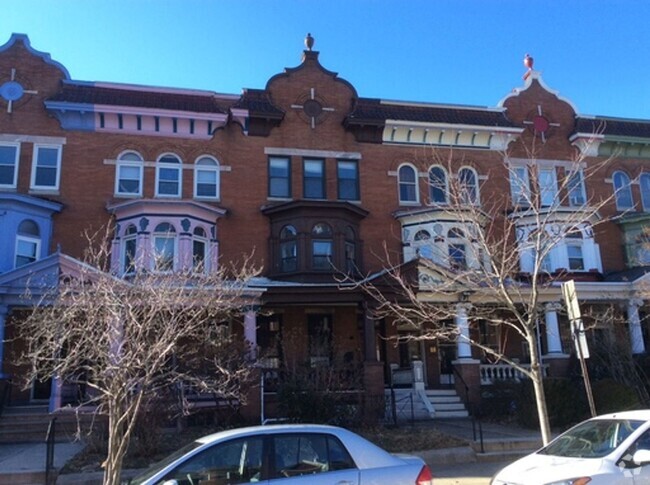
{"type": "Point", "coordinates": [611, 396]}
{"type": "Point", "coordinates": [565, 403]}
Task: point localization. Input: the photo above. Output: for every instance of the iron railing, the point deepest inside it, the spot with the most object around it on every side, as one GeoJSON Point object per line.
{"type": "Point", "coordinates": [474, 412]}
{"type": "Point", "coordinates": [50, 439]}
{"type": "Point", "coordinates": [5, 392]}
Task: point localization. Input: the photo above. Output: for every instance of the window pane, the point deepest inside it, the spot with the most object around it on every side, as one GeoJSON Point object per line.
{"type": "Point", "coordinates": [575, 257]}
{"type": "Point", "coordinates": [288, 256]}
{"type": "Point", "coordinates": [297, 455]}
{"type": "Point", "coordinates": [407, 185]}
{"type": "Point", "coordinates": [129, 182]}
{"type": "Point", "coordinates": [46, 167]}
{"type": "Point", "coordinates": [26, 251]}
{"type": "Point", "coordinates": [577, 195]}
{"type": "Point", "coordinates": [235, 462]}
{"type": "Point", "coordinates": [7, 165]}
{"type": "Point", "coordinates": [623, 191]}
{"type": "Point", "coordinates": [322, 254]}
{"type": "Point", "coordinates": [129, 255]}
{"type": "Point", "coordinates": [164, 253]}
{"type": "Point", "coordinates": [438, 185]}
{"type": "Point", "coordinates": [279, 177]}
{"type": "Point", "coordinates": [314, 179]}
{"type": "Point", "coordinates": [547, 187]}
{"type": "Point", "coordinates": [47, 157]}
{"type": "Point", "coordinates": [198, 254]}
{"type": "Point", "coordinates": [468, 187]}
{"type": "Point", "coordinates": [348, 180]}
{"type": "Point", "coordinates": [457, 255]}
{"type": "Point", "coordinates": [45, 177]}
{"type": "Point", "coordinates": [519, 184]}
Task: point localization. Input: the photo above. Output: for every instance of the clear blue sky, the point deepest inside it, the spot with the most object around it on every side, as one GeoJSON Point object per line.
{"type": "Point", "coordinates": [594, 52]}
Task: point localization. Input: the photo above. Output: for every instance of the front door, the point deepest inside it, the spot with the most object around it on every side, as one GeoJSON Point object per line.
{"type": "Point", "coordinates": [41, 390]}
{"type": "Point", "coordinates": [446, 357]}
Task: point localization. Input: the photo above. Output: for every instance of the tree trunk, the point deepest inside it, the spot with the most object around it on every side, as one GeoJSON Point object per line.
{"type": "Point", "coordinates": [538, 386]}
{"type": "Point", "coordinates": [115, 452]}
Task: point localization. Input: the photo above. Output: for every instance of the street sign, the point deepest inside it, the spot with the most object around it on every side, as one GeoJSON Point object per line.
{"type": "Point", "coordinates": [573, 311]}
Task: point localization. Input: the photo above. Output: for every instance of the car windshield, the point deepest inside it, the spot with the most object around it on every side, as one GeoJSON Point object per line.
{"type": "Point", "coordinates": [156, 467]}
{"type": "Point", "coordinates": [592, 439]}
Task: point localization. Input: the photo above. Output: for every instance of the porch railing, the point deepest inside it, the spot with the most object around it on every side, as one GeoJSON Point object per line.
{"type": "Point", "coordinates": [504, 372]}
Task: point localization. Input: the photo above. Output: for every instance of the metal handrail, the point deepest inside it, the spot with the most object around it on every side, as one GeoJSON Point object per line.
{"type": "Point", "coordinates": [49, 451]}
{"type": "Point", "coordinates": [476, 416]}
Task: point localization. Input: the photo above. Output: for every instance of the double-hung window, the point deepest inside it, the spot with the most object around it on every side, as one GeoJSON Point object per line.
{"type": "Point", "coordinates": [129, 249]}
{"type": "Point", "coordinates": [438, 188]}
{"type": "Point", "coordinates": [28, 243]}
{"type": "Point", "coordinates": [206, 178]}
{"type": "Point", "coordinates": [128, 179]}
{"type": "Point", "coordinates": [9, 155]}
{"type": "Point", "coordinates": [574, 251]}
{"type": "Point", "coordinates": [519, 185]}
{"type": "Point", "coordinates": [199, 250]}
{"type": "Point", "coordinates": [576, 189]}
{"type": "Point", "coordinates": [407, 182]}
{"type": "Point", "coordinates": [644, 182]}
{"type": "Point", "coordinates": [164, 246]}
{"type": "Point", "coordinates": [468, 185]}
{"type": "Point", "coordinates": [314, 179]}
{"type": "Point", "coordinates": [46, 167]}
{"type": "Point", "coordinates": [622, 191]}
{"type": "Point", "coordinates": [168, 176]}
{"type": "Point", "coordinates": [547, 187]}
{"type": "Point", "coordinates": [280, 177]}
{"type": "Point", "coordinates": [321, 246]}
{"type": "Point", "coordinates": [348, 180]}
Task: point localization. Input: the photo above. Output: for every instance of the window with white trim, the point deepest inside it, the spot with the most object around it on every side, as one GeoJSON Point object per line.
{"type": "Point", "coordinates": [129, 248]}
{"type": "Point", "coordinates": [168, 176]}
{"type": "Point", "coordinates": [28, 243]}
{"type": "Point", "coordinates": [457, 249]}
{"type": "Point", "coordinates": [164, 248]}
{"type": "Point", "coordinates": [46, 167]}
{"type": "Point", "coordinates": [321, 246]}
{"type": "Point", "coordinates": [9, 157]}
{"type": "Point", "coordinates": [438, 185]}
{"type": "Point", "coordinates": [468, 184]}
{"type": "Point", "coordinates": [575, 251]}
{"type": "Point", "coordinates": [128, 174]}
{"type": "Point", "coordinates": [547, 187]}
{"type": "Point", "coordinates": [279, 177]}
{"type": "Point", "coordinates": [348, 179]}
{"type": "Point", "coordinates": [576, 189]}
{"type": "Point", "coordinates": [407, 181]}
{"type": "Point", "coordinates": [644, 183]}
{"type": "Point", "coordinates": [622, 190]}
{"type": "Point", "coordinates": [314, 179]}
{"type": "Point", "coordinates": [206, 178]}
{"type": "Point", "coordinates": [199, 250]}
{"type": "Point", "coordinates": [519, 185]}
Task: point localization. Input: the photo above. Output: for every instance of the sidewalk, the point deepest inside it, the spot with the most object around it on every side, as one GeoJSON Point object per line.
{"type": "Point", "coordinates": [25, 463]}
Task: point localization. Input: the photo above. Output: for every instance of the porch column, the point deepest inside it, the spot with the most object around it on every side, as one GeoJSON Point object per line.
{"type": "Point", "coordinates": [553, 341]}
{"type": "Point", "coordinates": [369, 338]}
{"type": "Point", "coordinates": [636, 333]}
{"type": "Point", "coordinates": [4, 311]}
{"type": "Point", "coordinates": [250, 330]}
{"type": "Point", "coordinates": [463, 347]}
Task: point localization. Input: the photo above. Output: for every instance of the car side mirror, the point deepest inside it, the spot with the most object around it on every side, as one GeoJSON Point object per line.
{"type": "Point", "coordinates": [641, 457]}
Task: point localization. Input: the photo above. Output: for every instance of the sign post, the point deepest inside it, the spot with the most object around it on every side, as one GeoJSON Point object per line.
{"type": "Point", "coordinates": [578, 335]}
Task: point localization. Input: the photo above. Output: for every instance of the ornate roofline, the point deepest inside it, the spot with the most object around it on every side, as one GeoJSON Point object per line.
{"type": "Point", "coordinates": [43, 55]}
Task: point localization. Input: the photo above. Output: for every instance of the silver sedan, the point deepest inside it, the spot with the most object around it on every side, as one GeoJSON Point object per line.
{"type": "Point", "coordinates": [286, 454]}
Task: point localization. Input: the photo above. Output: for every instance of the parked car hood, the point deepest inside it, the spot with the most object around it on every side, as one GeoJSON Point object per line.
{"type": "Point", "coordinates": [538, 469]}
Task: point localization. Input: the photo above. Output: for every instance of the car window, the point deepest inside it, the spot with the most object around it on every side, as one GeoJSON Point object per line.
{"type": "Point", "coordinates": [306, 454]}
{"type": "Point", "coordinates": [231, 463]}
{"type": "Point", "coordinates": [592, 439]}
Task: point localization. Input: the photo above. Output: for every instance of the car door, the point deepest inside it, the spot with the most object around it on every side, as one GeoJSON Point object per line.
{"type": "Point", "coordinates": [232, 462]}
{"type": "Point", "coordinates": [310, 458]}
{"type": "Point", "coordinates": [641, 474]}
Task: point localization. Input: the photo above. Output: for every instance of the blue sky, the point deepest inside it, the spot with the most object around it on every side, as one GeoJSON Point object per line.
{"type": "Point", "coordinates": [594, 52]}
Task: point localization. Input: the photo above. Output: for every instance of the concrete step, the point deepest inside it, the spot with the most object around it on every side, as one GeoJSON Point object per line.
{"type": "Point", "coordinates": [441, 392]}
{"type": "Point", "coordinates": [451, 414]}
{"type": "Point", "coordinates": [444, 399]}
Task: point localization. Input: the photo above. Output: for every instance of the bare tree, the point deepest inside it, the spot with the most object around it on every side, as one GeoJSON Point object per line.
{"type": "Point", "coordinates": [496, 264]}
{"type": "Point", "coordinates": [134, 338]}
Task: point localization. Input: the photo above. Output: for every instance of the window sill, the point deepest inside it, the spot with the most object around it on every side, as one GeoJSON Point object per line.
{"type": "Point", "coordinates": [43, 191]}
{"type": "Point", "coordinates": [207, 199]}
{"type": "Point", "coordinates": [127, 196]}
{"type": "Point", "coordinates": [280, 199]}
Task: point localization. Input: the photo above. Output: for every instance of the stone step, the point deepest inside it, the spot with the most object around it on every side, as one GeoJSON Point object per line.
{"type": "Point", "coordinates": [449, 406]}
{"type": "Point", "coordinates": [445, 399]}
{"type": "Point", "coordinates": [441, 392]}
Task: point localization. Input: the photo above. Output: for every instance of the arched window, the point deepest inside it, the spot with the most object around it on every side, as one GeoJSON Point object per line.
{"type": "Point", "coordinates": [468, 184]}
{"type": "Point", "coordinates": [206, 178]}
{"type": "Point", "coordinates": [644, 182]}
{"type": "Point", "coordinates": [350, 251]}
{"type": "Point", "coordinates": [574, 251]}
{"type": "Point", "coordinates": [321, 244]}
{"type": "Point", "coordinates": [438, 188]}
{"type": "Point", "coordinates": [288, 249]}
{"type": "Point", "coordinates": [129, 248]}
{"type": "Point", "coordinates": [28, 243]}
{"type": "Point", "coordinates": [622, 191]}
{"type": "Point", "coordinates": [199, 250]}
{"type": "Point", "coordinates": [128, 174]}
{"type": "Point", "coordinates": [168, 176]}
{"type": "Point", "coordinates": [457, 249]}
{"type": "Point", "coordinates": [408, 184]}
{"type": "Point", "coordinates": [164, 246]}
